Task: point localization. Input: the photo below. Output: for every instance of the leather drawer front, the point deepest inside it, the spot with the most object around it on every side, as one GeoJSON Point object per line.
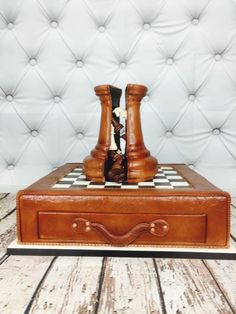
{"type": "Point", "coordinates": [122, 229]}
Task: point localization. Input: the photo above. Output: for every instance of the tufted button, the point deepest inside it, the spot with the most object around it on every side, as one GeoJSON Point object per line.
{"type": "Point", "coordinates": [9, 98]}
{"type": "Point", "coordinates": [10, 167]}
{"type": "Point", "coordinates": [146, 98]}
{"type": "Point", "coordinates": [33, 61]}
{"type": "Point", "coordinates": [218, 57]}
{"type": "Point", "coordinates": [146, 26]}
{"type": "Point", "coordinates": [34, 133]}
{"type": "Point", "coordinates": [79, 63]}
{"type": "Point", "coordinates": [80, 135]}
{"type": "Point", "coordinates": [216, 131]}
{"type": "Point", "coordinates": [191, 97]}
{"type": "Point", "coordinates": [56, 99]}
{"type": "Point", "coordinates": [195, 21]}
{"type": "Point", "coordinates": [54, 24]}
{"type": "Point", "coordinates": [170, 61]}
{"type": "Point", "coordinates": [122, 65]}
{"type": "Point", "coordinates": [10, 25]}
{"type": "Point", "coordinates": [101, 29]}
{"type": "Point", "coordinates": [169, 133]}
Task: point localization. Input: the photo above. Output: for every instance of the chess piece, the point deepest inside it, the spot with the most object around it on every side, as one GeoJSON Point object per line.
{"type": "Point", "coordinates": [106, 161]}
{"type": "Point", "coordinates": [141, 166]}
{"type": "Point", "coordinates": [97, 164]}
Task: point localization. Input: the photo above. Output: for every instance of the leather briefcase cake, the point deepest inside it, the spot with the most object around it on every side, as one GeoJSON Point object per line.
{"type": "Point", "coordinates": [177, 208]}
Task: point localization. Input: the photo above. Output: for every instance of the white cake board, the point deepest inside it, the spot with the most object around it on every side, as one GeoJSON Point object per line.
{"type": "Point", "coordinates": [161, 252]}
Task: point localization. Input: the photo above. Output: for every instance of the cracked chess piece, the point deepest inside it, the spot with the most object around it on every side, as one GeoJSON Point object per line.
{"type": "Point", "coordinates": [141, 166]}
{"type": "Point", "coordinates": [106, 161]}
{"type": "Point", "coordinates": [96, 165]}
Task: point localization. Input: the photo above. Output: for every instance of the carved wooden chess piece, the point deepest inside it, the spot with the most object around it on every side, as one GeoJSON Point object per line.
{"type": "Point", "coordinates": [141, 166]}
{"type": "Point", "coordinates": [96, 165]}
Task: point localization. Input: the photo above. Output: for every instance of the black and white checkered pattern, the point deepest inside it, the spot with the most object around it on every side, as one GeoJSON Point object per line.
{"type": "Point", "coordinates": [166, 178]}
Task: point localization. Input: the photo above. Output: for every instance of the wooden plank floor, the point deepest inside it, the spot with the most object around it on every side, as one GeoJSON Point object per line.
{"type": "Point", "coordinates": [39, 284]}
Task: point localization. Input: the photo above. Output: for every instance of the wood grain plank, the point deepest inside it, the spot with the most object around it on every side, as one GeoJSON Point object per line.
{"type": "Point", "coordinates": [233, 222]}
{"type": "Point", "coordinates": [3, 195]}
{"type": "Point", "coordinates": [224, 273]}
{"type": "Point", "coordinates": [7, 204]}
{"type": "Point", "coordinates": [7, 232]}
{"type": "Point", "coordinates": [130, 285]}
{"type": "Point", "coordinates": [2, 253]}
{"type": "Point", "coordinates": [188, 287]}
{"type": "Point", "coordinates": [7, 221]}
{"type": "Point", "coordinates": [71, 286]}
{"type": "Point", "coordinates": [19, 277]}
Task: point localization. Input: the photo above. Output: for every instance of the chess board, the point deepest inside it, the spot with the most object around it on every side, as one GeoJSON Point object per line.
{"type": "Point", "coordinates": [166, 178]}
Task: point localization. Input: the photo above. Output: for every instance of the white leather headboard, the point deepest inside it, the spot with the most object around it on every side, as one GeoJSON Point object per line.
{"type": "Point", "coordinates": [53, 53]}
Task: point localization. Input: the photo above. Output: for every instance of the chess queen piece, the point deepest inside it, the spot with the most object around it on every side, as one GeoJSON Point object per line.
{"type": "Point", "coordinates": [141, 166]}
{"type": "Point", "coordinates": [98, 163]}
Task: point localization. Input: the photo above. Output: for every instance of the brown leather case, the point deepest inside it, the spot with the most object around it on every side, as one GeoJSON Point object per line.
{"type": "Point", "coordinates": [195, 216]}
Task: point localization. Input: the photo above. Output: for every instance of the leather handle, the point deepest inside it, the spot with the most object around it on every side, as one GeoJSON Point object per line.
{"type": "Point", "coordinates": [157, 228]}
{"type": "Point", "coordinates": [124, 239]}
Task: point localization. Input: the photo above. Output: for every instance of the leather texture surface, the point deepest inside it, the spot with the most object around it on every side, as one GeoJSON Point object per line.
{"type": "Point", "coordinates": [53, 53]}
{"type": "Point", "coordinates": [196, 216]}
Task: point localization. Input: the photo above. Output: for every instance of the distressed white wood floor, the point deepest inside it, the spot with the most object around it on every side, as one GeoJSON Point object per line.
{"type": "Point", "coordinates": [37, 284]}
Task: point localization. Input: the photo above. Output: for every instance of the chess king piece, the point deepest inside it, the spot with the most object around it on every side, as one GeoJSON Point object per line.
{"type": "Point", "coordinates": [97, 165]}
{"type": "Point", "coordinates": [141, 166]}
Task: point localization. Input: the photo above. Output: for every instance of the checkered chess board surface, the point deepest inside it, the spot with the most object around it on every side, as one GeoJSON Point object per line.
{"type": "Point", "coordinates": [166, 178]}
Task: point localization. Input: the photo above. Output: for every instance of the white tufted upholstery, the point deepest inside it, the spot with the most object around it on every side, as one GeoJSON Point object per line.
{"type": "Point", "coordinates": [52, 54]}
